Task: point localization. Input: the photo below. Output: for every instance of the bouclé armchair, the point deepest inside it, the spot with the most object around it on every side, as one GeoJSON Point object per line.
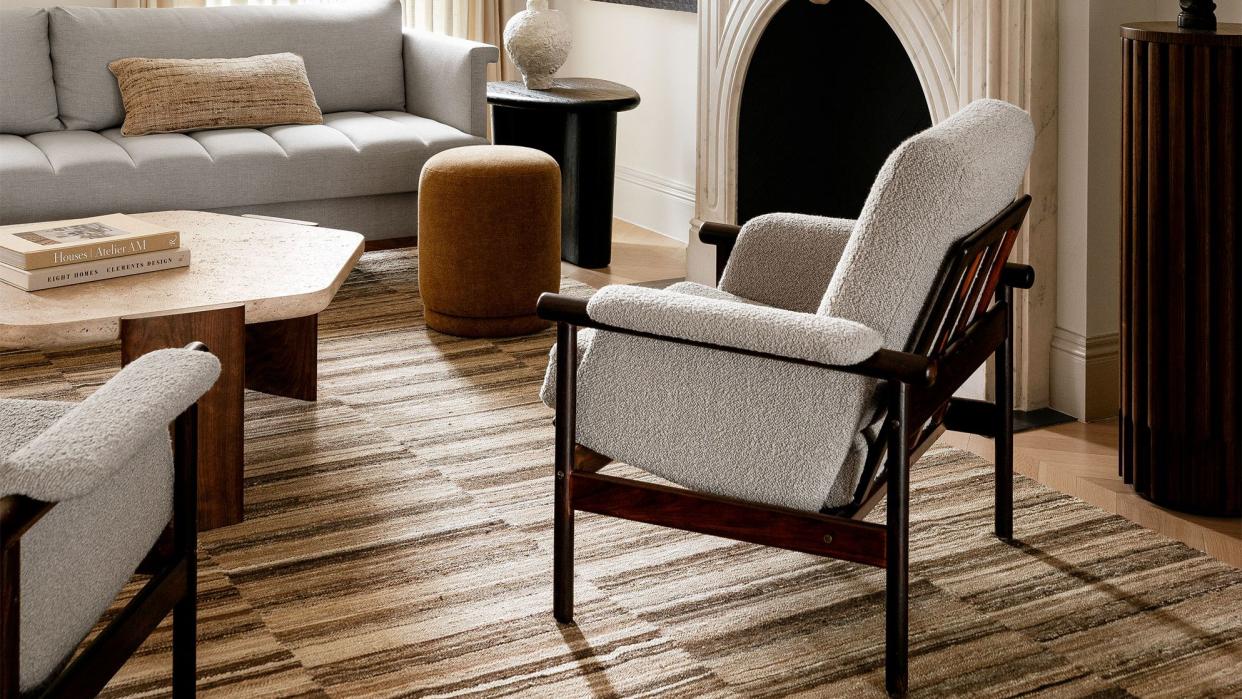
{"type": "Point", "coordinates": [88, 492]}
{"type": "Point", "coordinates": [791, 399]}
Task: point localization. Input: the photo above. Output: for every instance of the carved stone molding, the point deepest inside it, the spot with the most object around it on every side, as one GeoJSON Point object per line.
{"type": "Point", "coordinates": [962, 50]}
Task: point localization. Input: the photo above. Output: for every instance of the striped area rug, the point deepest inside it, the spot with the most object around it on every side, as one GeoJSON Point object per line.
{"type": "Point", "coordinates": [397, 543]}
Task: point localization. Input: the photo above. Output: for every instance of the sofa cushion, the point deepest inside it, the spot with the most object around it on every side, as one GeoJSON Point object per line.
{"type": "Point", "coordinates": [63, 174]}
{"type": "Point", "coordinates": [353, 51]}
{"type": "Point", "coordinates": [27, 93]}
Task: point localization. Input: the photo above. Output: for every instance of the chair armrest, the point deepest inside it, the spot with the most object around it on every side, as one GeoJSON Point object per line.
{"type": "Point", "coordinates": [1017, 276]}
{"type": "Point", "coordinates": [446, 79]}
{"type": "Point", "coordinates": [724, 237]}
{"type": "Point", "coordinates": [880, 364]}
{"type": "Point", "coordinates": [714, 233]}
{"type": "Point", "coordinates": [85, 446]}
{"type": "Point", "coordinates": [786, 260]}
{"type": "Point", "coordinates": [19, 513]}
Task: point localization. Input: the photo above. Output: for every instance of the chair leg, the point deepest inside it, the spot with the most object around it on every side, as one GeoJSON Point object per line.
{"type": "Point", "coordinates": [1004, 429]}
{"type": "Point", "coordinates": [10, 624]}
{"type": "Point", "coordinates": [897, 555]}
{"type": "Point", "coordinates": [185, 541]}
{"type": "Point", "coordinates": [566, 433]}
{"type": "Point", "coordinates": [185, 632]}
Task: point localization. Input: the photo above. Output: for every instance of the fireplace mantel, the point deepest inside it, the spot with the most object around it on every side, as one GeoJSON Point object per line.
{"type": "Point", "coordinates": [962, 50]}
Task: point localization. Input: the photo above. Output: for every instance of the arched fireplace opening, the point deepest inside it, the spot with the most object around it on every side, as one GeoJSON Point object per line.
{"type": "Point", "coordinates": [830, 91]}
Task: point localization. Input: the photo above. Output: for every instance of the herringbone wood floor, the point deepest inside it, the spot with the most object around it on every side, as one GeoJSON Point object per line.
{"type": "Point", "coordinates": [1078, 459]}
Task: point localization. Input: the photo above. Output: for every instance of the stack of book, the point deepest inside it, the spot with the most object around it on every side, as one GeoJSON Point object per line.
{"type": "Point", "coordinates": [38, 256]}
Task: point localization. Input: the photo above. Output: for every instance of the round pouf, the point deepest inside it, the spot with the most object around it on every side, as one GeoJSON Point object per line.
{"type": "Point", "coordinates": [489, 239]}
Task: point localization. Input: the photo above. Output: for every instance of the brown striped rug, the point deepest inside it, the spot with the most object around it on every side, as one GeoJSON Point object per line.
{"type": "Point", "coordinates": [397, 536]}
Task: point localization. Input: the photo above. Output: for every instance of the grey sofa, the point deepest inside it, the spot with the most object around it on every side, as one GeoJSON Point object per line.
{"type": "Point", "coordinates": [391, 99]}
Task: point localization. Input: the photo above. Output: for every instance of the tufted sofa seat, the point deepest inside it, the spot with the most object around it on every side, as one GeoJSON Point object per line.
{"type": "Point", "coordinates": [352, 154]}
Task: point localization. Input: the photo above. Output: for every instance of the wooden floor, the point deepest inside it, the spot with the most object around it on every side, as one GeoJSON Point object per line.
{"type": "Point", "coordinates": [638, 255]}
{"type": "Point", "coordinates": [1078, 459]}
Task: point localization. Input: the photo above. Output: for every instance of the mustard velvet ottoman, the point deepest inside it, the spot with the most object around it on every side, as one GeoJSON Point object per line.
{"type": "Point", "coordinates": [489, 239]}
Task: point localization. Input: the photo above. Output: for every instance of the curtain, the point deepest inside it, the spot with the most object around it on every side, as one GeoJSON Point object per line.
{"type": "Point", "coordinates": [477, 20]}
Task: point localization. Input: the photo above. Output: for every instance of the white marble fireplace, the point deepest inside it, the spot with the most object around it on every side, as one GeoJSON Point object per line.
{"type": "Point", "coordinates": [961, 50]}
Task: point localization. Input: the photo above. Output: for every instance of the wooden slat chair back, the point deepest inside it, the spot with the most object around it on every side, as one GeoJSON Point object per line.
{"type": "Point", "coordinates": [967, 286]}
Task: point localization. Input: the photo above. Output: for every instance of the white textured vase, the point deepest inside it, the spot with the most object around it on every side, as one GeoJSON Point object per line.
{"type": "Point", "coordinates": [538, 41]}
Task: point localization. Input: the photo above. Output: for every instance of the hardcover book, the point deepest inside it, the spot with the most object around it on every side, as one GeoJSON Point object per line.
{"type": "Point", "coordinates": [109, 268]}
{"type": "Point", "coordinates": [32, 246]}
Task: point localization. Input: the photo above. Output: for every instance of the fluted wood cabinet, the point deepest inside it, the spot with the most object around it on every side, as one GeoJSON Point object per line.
{"type": "Point", "coordinates": [1181, 266]}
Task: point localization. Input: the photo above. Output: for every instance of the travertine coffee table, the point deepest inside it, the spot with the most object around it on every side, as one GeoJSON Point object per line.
{"type": "Point", "coordinates": [252, 293]}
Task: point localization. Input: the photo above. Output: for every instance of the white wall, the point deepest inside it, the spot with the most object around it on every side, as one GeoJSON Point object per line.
{"type": "Point", "coordinates": [1085, 360]}
{"type": "Point", "coordinates": [656, 53]}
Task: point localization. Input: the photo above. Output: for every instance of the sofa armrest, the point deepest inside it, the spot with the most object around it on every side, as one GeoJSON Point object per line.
{"type": "Point", "coordinates": [446, 79]}
{"type": "Point", "coordinates": [764, 329]}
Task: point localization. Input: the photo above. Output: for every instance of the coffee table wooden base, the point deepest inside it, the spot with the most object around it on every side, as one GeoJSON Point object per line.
{"type": "Point", "coordinates": [282, 357]}
{"type": "Point", "coordinates": [277, 357]}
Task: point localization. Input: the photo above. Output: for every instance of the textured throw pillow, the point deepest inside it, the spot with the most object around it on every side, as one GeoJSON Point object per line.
{"type": "Point", "coordinates": [166, 95]}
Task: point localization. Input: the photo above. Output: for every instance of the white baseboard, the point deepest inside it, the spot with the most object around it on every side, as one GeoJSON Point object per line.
{"type": "Point", "coordinates": [1085, 379]}
{"type": "Point", "coordinates": [654, 202]}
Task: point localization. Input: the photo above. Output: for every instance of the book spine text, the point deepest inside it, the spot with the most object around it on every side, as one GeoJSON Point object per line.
{"type": "Point", "coordinates": [97, 270]}
{"type": "Point", "coordinates": [103, 250]}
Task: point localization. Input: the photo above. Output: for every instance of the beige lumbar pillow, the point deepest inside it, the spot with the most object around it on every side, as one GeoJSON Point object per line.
{"type": "Point", "coordinates": [166, 95]}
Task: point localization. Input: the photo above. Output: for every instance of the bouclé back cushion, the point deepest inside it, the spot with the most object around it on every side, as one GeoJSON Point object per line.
{"type": "Point", "coordinates": [352, 50]}
{"type": "Point", "coordinates": [165, 95]}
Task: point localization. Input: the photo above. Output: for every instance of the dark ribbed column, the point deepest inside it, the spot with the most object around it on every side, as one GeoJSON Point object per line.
{"type": "Point", "coordinates": [1181, 266]}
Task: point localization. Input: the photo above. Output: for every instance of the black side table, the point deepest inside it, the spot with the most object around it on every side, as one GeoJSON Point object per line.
{"type": "Point", "coordinates": [575, 122]}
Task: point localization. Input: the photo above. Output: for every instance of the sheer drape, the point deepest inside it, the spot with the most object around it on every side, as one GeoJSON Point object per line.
{"type": "Point", "coordinates": [477, 20]}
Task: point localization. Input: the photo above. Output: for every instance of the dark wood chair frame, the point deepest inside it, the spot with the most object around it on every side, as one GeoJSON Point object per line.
{"type": "Point", "coordinates": [967, 318]}
{"type": "Point", "coordinates": [172, 563]}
